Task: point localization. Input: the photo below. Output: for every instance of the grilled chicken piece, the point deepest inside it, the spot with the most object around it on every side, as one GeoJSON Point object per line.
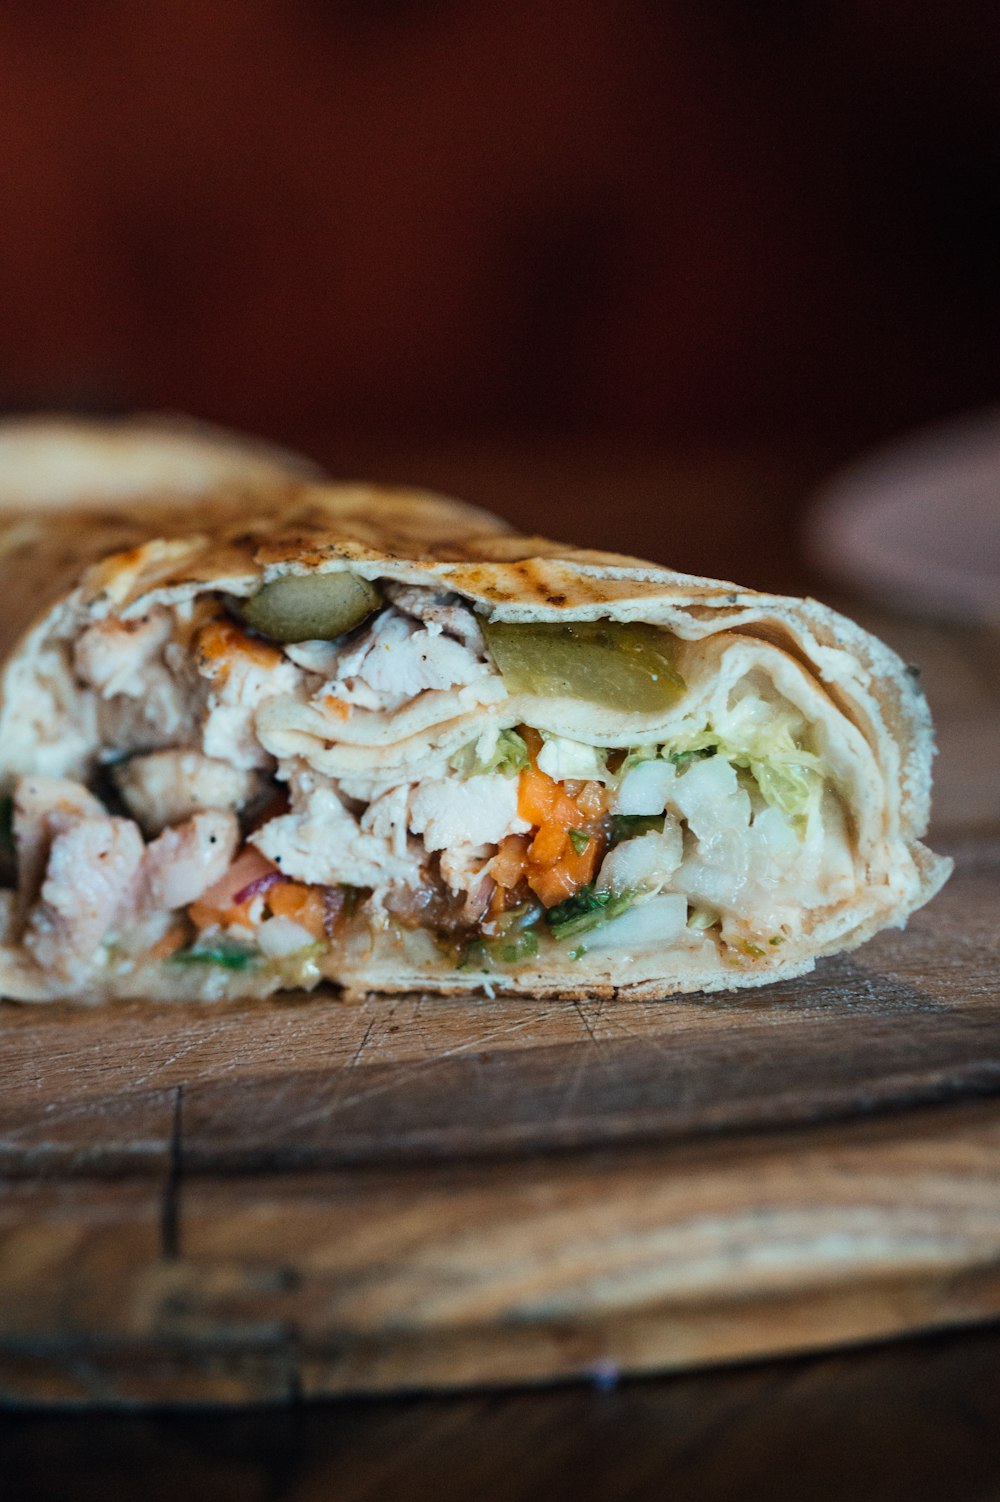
{"type": "Point", "coordinates": [167, 787]}
{"type": "Point", "coordinates": [90, 878]}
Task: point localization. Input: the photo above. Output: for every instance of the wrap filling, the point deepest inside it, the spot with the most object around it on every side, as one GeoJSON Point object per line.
{"type": "Point", "coordinates": [278, 787]}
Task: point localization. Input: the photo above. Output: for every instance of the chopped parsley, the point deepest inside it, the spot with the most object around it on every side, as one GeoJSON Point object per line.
{"type": "Point", "coordinates": [585, 910]}
{"type": "Point", "coordinates": [509, 949]}
{"type": "Point", "coordinates": [229, 956]}
{"type": "Point", "coordinates": [513, 947]}
{"type": "Point", "coordinates": [694, 753]}
{"type": "Point", "coordinates": [579, 839]}
{"type": "Point", "coordinates": [624, 826]}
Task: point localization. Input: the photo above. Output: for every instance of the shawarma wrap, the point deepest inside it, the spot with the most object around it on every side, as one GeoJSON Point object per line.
{"type": "Point", "coordinates": [373, 737]}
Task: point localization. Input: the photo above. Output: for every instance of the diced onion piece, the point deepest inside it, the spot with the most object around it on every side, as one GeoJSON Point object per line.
{"type": "Point", "coordinates": [654, 923]}
{"type": "Point", "coordinates": [277, 938]}
{"type": "Point", "coordinates": [627, 666]}
{"type": "Point", "coordinates": [311, 607]}
{"type": "Point", "coordinates": [710, 798]}
{"type": "Point", "coordinates": [702, 919]}
{"type": "Point", "coordinates": [562, 758]}
{"type": "Point", "coordinates": [645, 788]}
{"type": "Point", "coordinates": [646, 861]}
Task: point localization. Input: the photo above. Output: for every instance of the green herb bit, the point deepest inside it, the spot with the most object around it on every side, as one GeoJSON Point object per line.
{"type": "Point", "coordinates": [579, 839]}
{"type": "Point", "coordinates": [586, 910]}
{"type": "Point", "coordinates": [625, 826]}
{"type": "Point", "coordinates": [753, 951]}
{"type": "Point", "coordinates": [230, 957]}
{"type": "Point", "coordinates": [472, 956]}
{"type": "Point", "coordinates": [582, 901]}
{"type": "Point", "coordinates": [511, 950]}
{"type": "Point", "coordinates": [699, 753]}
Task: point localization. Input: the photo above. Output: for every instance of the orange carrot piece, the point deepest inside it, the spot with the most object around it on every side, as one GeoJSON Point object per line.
{"type": "Point", "coordinates": [553, 867]}
{"type": "Point", "coordinates": [172, 940]}
{"type": "Point", "coordinates": [536, 794]}
{"type": "Point", "coordinates": [507, 866]}
{"type": "Point", "coordinates": [581, 866]}
{"type": "Point", "coordinates": [205, 915]}
{"type": "Point", "coordinates": [549, 843]}
{"type": "Point", "coordinates": [551, 885]}
{"type": "Point", "coordinates": [303, 904]}
{"type": "Point", "coordinates": [592, 800]}
{"type": "Point", "coordinates": [222, 639]}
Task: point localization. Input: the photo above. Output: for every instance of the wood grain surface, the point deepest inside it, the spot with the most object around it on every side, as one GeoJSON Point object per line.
{"type": "Point", "coordinates": [915, 1420]}
{"type": "Point", "coordinates": [306, 1081]}
{"type": "Point", "coordinates": [299, 1198]}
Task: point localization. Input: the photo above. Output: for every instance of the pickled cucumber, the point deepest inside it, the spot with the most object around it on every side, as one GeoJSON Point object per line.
{"type": "Point", "coordinates": [626, 666]}
{"type": "Point", "coordinates": [311, 607]}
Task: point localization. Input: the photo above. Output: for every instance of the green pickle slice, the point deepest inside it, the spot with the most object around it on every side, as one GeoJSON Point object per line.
{"type": "Point", "coordinates": [311, 607]}
{"type": "Point", "coordinates": [627, 666]}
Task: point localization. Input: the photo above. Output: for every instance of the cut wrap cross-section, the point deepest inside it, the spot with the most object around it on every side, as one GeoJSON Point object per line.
{"type": "Point", "coordinates": [438, 756]}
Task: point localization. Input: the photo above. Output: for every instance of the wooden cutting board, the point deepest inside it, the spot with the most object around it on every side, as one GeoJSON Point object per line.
{"type": "Point", "coordinates": [247, 1202]}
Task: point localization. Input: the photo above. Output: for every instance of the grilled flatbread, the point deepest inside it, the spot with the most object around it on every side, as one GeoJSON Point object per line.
{"type": "Point", "coordinates": [57, 461]}
{"type": "Point", "coordinates": [315, 732]}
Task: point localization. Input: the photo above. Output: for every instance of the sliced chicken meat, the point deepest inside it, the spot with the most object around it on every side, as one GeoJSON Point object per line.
{"type": "Point", "coordinates": [169, 786]}
{"type": "Point", "coordinates": [90, 878]}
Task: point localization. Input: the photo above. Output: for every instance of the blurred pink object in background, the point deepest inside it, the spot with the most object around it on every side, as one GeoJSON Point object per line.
{"type": "Point", "coordinates": [917, 524]}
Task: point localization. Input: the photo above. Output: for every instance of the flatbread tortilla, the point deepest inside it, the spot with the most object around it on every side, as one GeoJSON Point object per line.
{"type": "Point", "coordinates": [57, 461]}
{"type": "Point", "coordinates": [202, 810]}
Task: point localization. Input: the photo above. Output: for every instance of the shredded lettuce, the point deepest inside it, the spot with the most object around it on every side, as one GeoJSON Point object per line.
{"type": "Point", "coordinates": [636, 754]}
{"type": "Point", "coordinates": [507, 754]}
{"type": "Point", "coordinates": [789, 776]}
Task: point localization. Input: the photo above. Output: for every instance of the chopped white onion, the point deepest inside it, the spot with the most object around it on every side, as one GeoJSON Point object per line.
{"type": "Point", "coordinates": [280, 937]}
{"type": "Point", "coordinates": [647, 860]}
{"type": "Point", "coordinates": [657, 921]}
{"type": "Point", "coordinates": [645, 788]}
{"type": "Point", "coordinates": [562, 758]}
{"type": "Point", "coordinates": [710, 798]}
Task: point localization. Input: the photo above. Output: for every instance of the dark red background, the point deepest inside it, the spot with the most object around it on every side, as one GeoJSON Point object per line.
{"type": "Point", "coordinates": [703, 218]}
